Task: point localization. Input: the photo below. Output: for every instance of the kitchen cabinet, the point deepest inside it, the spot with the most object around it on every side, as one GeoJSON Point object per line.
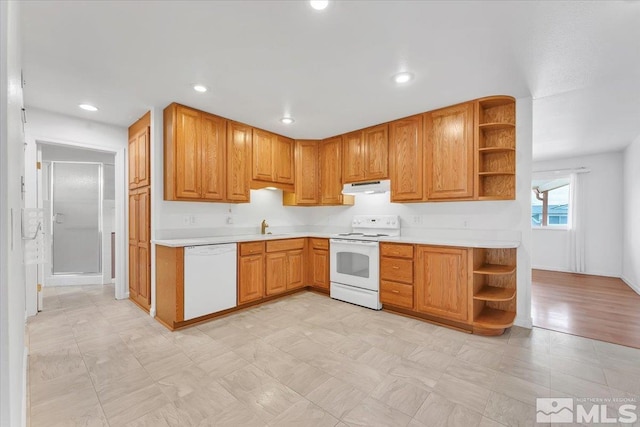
{"type": "Point", "coordinates": [318, 174]}
{"type": "Point", "coordinates": [441, 282]}
{"type": "Point", "coordinates": [396, 275]}
{"type": "Point", "coordinates": [238, 161]}
{"type": "Point", "coordinates": [272, 158]}
{"type": "Point", "coordinates": [251, 272]}
{"type": "Point", "coordinates": [496, 148]}
{"type": "Point", "coordinates": [140, 247]}
{"type": "Point", "coordinates": [139, 158]}
{"type": "Point", "coordinates": [406, 159]}
{"type": "Point", "coordinates": [319, 264]}
{"type": "Point", "coordinates": [449, 152]}
{"type": "Point", "coordinates": [195, 151]}
{"type": "Point", "coordinates": [307, 176]}
{"type": "Point", "coordinates": [494, 290]}
{"type": "Point", "coordinates": [284, 265]}
{"type": "Point", "coordinates": [366, 154]}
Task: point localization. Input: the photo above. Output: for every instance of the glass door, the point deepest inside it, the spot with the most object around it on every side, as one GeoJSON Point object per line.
{"type": "Point", "coordinates": [76, 209]}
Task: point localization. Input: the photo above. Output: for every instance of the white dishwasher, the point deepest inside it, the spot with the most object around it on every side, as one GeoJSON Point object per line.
{"type": "Point", "coordinates": [209, 279]}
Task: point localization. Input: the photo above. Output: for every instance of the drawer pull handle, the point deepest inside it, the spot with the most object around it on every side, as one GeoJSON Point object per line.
{"type": "Point", "coordinates": [395, 291]}
{"type": "Point", "coordinates": [395, 267]}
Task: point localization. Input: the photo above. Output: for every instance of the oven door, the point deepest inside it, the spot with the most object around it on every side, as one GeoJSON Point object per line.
{"type": "Point", "coordinates": [355, 263]}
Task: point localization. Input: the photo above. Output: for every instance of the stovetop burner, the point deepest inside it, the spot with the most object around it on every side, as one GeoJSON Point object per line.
{"type": "Point", "coordinates": [372, 227]}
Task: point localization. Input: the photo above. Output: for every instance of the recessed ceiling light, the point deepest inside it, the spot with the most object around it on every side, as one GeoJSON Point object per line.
{"type": "Point", "coordinates": [287, 120]}
{"type": "Point", "coordinates": [319, 4]}
{"type": "Point", "coordinates": [403, 77]}
{"type": "Point", "coordinates": [88, 107]}
{"type": "Point", "coordinates": [200, 88]}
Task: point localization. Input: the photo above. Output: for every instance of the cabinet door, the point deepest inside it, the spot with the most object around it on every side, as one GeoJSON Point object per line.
{"type": "Point", "coordinates": [353, 152]}
{"type": "Point", "coordinates": [263, 149]}
{"type": "Point", "coordinates": [144, 277]}
{"type": "Point", "coordinates": [307, 173]}
{"type": "Point", "coordinates": [133, 271]}
{"type": "Point", "coordinates": [133, 162]}
{"type": "Point", "coordinates": [143, 209]}
{"type": "Point", "coordinates": [214, 139]}
{"type": "Point", "coordinates": [295, 270]}
{"type": "Point", "coordinates": [405, 159]}
{"type": "Point", "coordinates": [441, 282]}
{"type": "Point", "coordinates": [283, 160]}
{"type": "Point", "coordinates": [276, 277]}
{"type": "Point", "coordinates": [143, 158]}
{"type": "Point", "coordinates": [133, 218]}
{"type": "Point", "coordinates": [331, 171]}
{"type": "Point", "coordinates": [320, 266]}
{"type": "Point", "coordinates": [238, 161]}
{"type": "Point", "coordinates": [187, 148]}
{"type": "Point", "coordinates": [250, 278]}
{"type": "Point", "coordinates": [449, 152]}
{"type": "Point", "coordinates": [376, 152]}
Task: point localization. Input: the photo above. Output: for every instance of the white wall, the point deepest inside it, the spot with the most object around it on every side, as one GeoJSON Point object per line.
{"type": "Point", "coordinates": [602, 218]}
{"type": "Point", "coordinates": [57, 129]}
{"type": "Point", "coordinates": [12, 289]}
{"type": "Point", "coordinates": [508, 218]}
{"type": "Point", "coordinates": [631, 213]}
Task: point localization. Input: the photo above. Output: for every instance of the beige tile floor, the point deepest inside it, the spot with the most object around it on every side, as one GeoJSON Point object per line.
{"type": "Point", "coordinates": [304, 360]}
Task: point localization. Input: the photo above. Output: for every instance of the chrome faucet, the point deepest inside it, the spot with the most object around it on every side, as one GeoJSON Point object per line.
{"type": "Point", "coordinates": [263, 226]}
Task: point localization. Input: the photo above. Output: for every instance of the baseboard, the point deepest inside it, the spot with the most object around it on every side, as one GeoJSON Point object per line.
{"type": "Point", "coordinates": [152, 312]}
{"type": "Point", "coordinates": [587, 273]}
{"type": "Point", "coordinates": [633, 286]}
{"type": "Point", "coordinates": [73, 280]}
{"type": "Point", "coordinates": [25, 385]}
{"type": "Point", "coordinates": [546, 268]}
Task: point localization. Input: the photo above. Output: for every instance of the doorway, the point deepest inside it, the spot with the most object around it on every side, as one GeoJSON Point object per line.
{"type": "Point", "coordinates": [77, 195]}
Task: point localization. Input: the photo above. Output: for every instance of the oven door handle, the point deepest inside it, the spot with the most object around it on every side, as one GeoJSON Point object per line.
{"type": "Point", "coordinates": [354, 242]}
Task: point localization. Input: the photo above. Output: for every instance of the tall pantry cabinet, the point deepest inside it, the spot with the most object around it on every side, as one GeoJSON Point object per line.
{"type": "Point", "coordinates": [140, 212]}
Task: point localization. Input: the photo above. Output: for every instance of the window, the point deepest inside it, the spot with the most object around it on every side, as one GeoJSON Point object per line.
{"type": "Point", "coordinates": [550, 202]}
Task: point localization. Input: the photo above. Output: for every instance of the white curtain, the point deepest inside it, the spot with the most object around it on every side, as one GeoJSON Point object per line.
{"type": "Point", "coordinates": [576, 224]}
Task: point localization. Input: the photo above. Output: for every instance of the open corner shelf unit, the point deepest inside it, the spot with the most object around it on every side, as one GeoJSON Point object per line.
{"type": "Point", "coordinates": [496, 152]}
{"type": "Point", "coordinates": [494, 290]}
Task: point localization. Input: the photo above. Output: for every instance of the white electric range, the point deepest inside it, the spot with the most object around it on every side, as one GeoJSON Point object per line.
{"type": "Point", "coordinates": [355, 259]}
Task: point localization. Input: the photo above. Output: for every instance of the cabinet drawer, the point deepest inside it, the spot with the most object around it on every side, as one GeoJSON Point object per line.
{"type": "Point", "coordinates": [284, 245]}
{"type": "Point", "coordinates": [397, 294]}
{"type": "Point", "coordinates": [396, 269]}
{"type": "Point", "coordinates": [320, 243]}
{"type": "Point", "coordinates": [251, 248]}
{"type": "Point", "coordinates": [392, 249]}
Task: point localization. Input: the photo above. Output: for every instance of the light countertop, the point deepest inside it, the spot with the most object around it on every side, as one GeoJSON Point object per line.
{"type": "Point", "coordinates": [468, 241]}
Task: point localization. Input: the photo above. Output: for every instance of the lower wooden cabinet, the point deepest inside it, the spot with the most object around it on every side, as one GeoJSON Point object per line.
{"type": "Point", "coordinates": [442, 282]}
{"type": "Point", "coordinates": [396, 275]}
{"type": "Point", "coordinates": [319, 263]}
{"type": "Point", "coordinates": [139, 247]}
{"type": "Point", "coordinates": [251, 268]}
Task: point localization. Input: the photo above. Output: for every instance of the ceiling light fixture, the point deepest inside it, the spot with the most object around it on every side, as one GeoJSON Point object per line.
{"type": "Point", "coordinates": [200, 88]}
{"type": "Point", "coordinates": [88, 107]}
{"type": "Point", "coordinates": [403, 77]}
{"type": "Point", "coordinates": [319, 4]}
{"type": "Point", "coordinates": [287, 120]}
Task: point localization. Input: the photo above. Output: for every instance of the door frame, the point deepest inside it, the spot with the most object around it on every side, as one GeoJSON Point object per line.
{"type": "Point", "coordinates": [121, 214]}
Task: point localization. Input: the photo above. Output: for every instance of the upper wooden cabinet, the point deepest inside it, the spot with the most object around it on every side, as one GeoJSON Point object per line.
{"type": "Point", "coordinates": [449, 153]}
{"type": "Point", "coordinates": [307, 176]}
{"type": "Point", "coordinates": [195, 151]}
{"type": "Point", "coordinates": [406, 159]}
{"type": "Point", "coordinates": [318, 173]}
{"type": "Point", "coordinates": [331, 173]}
{"type": "Point", "coordinates": [238, 161]}
{"type": "Point", "coordinates": [272, 158]}
{"type": "Point", "coordinates": [366, 154]}
{"type": "Point", "coordinates": [139, 155]}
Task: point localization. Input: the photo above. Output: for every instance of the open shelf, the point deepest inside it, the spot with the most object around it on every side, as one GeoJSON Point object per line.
{"type": "Point", "coordinates": [489, 150]}
{"type": "Point", "coordinates": [495, 269]}
{"type": "Point", "coordinates": [492, 293]}
{"type": "Point", "coordinates": [496, 126]}
{"type": "Point", "coordinates": [492, 318]}
{"type": "Point", "coordinates": [495, 173]}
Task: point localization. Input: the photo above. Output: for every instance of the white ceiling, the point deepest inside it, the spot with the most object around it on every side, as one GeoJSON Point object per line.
{"type": "Point", "coordinates": [332, 70]}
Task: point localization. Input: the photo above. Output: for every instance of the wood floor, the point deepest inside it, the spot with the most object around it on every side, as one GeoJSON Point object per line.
{"type": "Point", "coordinates": [601, 308]}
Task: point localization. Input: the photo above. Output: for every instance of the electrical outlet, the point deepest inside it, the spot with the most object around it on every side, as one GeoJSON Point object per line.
{"type": "Point", "coordinates": [192, 219]}
{"type": "Point", "coordinates": [229, 219]}
{"type": "Point", "coordinates": [185, 220]}
{"type": "Point", "coordinates": [417, 220]}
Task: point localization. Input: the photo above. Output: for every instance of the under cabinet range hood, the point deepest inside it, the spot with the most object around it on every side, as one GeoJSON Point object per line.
{"type": "Point", "coordinates": [370, 187]}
